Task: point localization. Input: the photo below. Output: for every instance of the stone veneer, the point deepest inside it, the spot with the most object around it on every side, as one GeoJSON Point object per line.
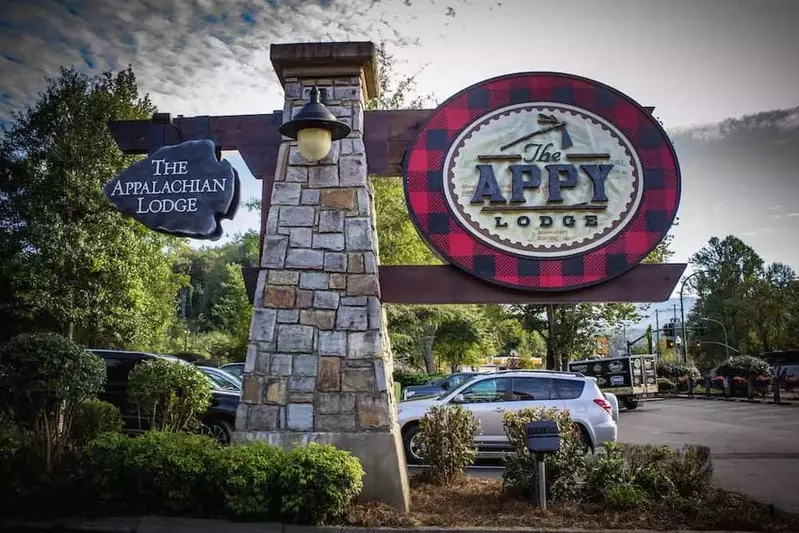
{"type": "Point", "coordinates": [319, 365]}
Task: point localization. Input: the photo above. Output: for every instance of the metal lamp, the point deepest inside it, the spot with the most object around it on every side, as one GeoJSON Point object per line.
{"type": "Point", "coordinates": [315, 128]}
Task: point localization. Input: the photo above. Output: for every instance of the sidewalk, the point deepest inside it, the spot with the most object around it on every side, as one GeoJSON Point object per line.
{"type": "Point", "coordinates": [685, 396]}
{"type": "Point", "coordinates": [157, 524]}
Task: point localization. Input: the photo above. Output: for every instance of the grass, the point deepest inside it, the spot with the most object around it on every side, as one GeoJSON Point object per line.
{"type": "Point", "coordinates": [478, 502]}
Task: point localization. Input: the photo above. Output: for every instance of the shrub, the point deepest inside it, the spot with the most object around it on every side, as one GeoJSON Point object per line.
{"type": "Point", "coordinates": [564, 468]}
{"type": "Point", "coordinates": [624, 497]}
{"type": "Point", "coordinates": [156, 472]}
{"type": "Point", "coordinates": [247, 477]}
{"type": "Point", "coordinates": [43, 379]}
{"type": "Point", "coordinates": [407, 379]}
{"type": "Point", "coordinates": [447, 440]}
{"type": "Point", "coordinates": [673, 371]}
{"type": "Point", "coordinates": [171, 395]}
{"type": "Point", "coordinates": [317, 483]}
{"type": "Point", "coordinates": [666, 385]}
{"type": "Point", "coordinates": [92, 419]}
{"type": "Point", "coordinates": [743, 366]}
{"type": "Point", "coordinates": [691, 470]}
{"type": "Point", "coordinates": [647, 473]}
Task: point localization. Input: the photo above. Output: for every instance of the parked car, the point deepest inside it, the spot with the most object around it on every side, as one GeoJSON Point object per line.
{"type": "Point", "coordinates": [221, 379]}
{"type": "Point", "coordinates": [487, 396]}
{"type": "Point", "coordinates": [234, 369]}
{"type": "Point", "coordinates": [436, 386]}
{"type": "Point", "coordinates": [218, 421]}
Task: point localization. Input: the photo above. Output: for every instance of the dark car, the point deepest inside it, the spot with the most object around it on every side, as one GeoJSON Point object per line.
{"type": "Point", "coordinates": [234, 369]}
{"type": "Point", "coordinates": [218, 421]}
{"type": "Point", "coordinates": [437, 386]}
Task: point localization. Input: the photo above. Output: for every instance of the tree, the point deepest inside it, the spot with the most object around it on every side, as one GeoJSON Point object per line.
{"type": "Point", "coordinates": [234, 311]}
{"type": "Point", "coordinates": [757, 303]}
{"type": "Point", "coordinates": [575, 326]}
{"type": "Point", "coordinates": [71, 263]}
{"type": "Point", "coordinates": [462, 338]}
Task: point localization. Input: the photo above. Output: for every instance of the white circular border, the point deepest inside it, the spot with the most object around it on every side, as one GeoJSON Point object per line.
{"type": "Point", "coordinates": [557, 253]}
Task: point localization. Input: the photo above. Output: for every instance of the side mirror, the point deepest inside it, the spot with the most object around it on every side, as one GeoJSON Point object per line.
{"type": "Point", "coordinates": [458, 399]}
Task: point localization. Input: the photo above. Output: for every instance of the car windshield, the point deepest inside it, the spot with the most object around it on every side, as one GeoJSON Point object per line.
{"type": "Point", "coordinates": [234, 370]}
{"type": "Point", "coordinates": [222, 381]}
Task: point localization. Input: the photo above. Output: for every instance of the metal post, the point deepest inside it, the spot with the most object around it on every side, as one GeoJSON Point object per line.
{"type": "Point", "coordinates": [657, 331]}
{"type": "Point", "coordinates": [542, 481]}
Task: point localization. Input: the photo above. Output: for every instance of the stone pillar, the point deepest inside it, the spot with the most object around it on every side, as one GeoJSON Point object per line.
{"type": "Point", "coordinates": [319, 362]}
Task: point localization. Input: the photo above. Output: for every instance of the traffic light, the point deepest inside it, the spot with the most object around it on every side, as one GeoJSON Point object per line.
{"type": "Point", "coordinates": [669, 343]}
{"type": "Point", "coordinates": [668, 329]}
{"type": "Point", "coordinates": [698, 345]}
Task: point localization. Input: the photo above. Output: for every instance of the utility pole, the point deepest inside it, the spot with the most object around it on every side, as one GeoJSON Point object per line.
{"type": "Point", "coordinates": [657, 331]}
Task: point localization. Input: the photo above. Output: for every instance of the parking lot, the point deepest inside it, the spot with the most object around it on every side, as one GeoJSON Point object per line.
{"type": "Point", "coordinates": [755, 447]}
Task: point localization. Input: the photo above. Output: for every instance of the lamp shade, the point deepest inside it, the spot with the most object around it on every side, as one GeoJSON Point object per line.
{"type": "Point", "coordinates": [314, 114]}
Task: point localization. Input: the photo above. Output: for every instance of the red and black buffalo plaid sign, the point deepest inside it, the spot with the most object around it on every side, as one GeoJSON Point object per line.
{"type": "Point", "coordinates": [432, 215]}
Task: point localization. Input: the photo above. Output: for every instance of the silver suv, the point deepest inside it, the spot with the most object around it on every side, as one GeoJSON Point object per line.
{"type": "Point", "coordinates": [488, 396]}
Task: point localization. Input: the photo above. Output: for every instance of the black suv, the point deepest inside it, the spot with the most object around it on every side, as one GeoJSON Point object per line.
{"type": "Point", "coordinates": [218, 421]}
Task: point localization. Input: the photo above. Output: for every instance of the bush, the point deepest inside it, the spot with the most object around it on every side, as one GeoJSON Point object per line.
{"type": "Point", "coordinates": [407, 379]}
{"type": "Point", "coordinates": [624, 497]}
{"type": "Point", "coordinates": [646, 474]}
{"type": "Point", "coordinates": [317, 483]}
{"type": "Point", "coordinates": [171, 395]}
{"type": "Point", "coordinates": [691, 470]}
{"type": "Point", "coordinates": [247, 477]}
{"type": "Point", "coordinates": [94, 418]}
{"type": "Point", "coordinates": [447, 441]}
{"type": "Point", "coordinates": [743, 366]}
{"type": "Point", "coordinates": [666, 385]}
{"type": "Point", "coordinates": [675, 371]}
{"type": "Point", "coordinates": [564, 468]}
{"type": "Point", "coordinates": [43, 379]}
{"type": "Point", "coordinates": [156, 472]}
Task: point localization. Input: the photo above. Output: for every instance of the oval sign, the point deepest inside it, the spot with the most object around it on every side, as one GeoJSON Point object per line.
{"type": "Point", "coordinates": [542, 181]}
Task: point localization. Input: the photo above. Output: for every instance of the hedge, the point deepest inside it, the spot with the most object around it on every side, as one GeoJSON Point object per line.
{"type": "Point", "coordinates": [193, 475]}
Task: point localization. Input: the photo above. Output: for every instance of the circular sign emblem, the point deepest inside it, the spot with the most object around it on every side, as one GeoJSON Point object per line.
{"type": "Point", "coordinates": [542, 181]}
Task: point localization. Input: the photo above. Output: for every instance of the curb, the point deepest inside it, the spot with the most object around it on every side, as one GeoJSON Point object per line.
{"type": "Point", "coordinates": [159, 524]}
{"type": "Point", "coordinates": [723, 399]}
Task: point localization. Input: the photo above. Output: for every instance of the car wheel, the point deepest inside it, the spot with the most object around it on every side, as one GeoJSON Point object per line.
{"type": "Point", "coordinates": [220, 430]}
{"type": "Point", "coordinates": [411, 439]}
{"type": "Point", "coordinates": [630, 403]}
{"type": "Point", "coordinates": [585, 440]}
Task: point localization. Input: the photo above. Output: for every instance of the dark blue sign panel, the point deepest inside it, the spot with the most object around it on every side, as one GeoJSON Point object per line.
{"type": "Point", "coordinates": [181, 190]}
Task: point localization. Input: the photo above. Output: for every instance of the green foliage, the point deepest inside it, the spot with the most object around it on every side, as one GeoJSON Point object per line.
{"type": "Point", "coordinates": [248, 479]}
{"type": "Point", "coordinates": [171, 395]}
{"type": "Point", "coordinates": [743, 366]}
{"type": "Point", "coordinates": [234, 311]}
{"type": "Point", "coordinates": [155, 473]}
{"type": "Point", "coordinates": [447, 441]}
{"type": "Point", "coordinates": [675, 371]}
{"type": "Point", "coordinates": [757, 303]}
{"type": "Point", "coordinates": [463, 337]}
{"type": "Point", "coordinates": [406, 379]}
{"type": "Point", "coordinates": [318, 483]}
{"type": "Point", "coordinates": [94, 418]}
{"type": "Point", "coordinates": [193, 475]}
{"type": "Point", "coordinates": [666, 385]}
{"type": "Point", "coordinates": [69, 262]}
{"type": "Point", "coordinates": [624, 497]}
{"type": "Point", "coordinates": [43, 379]}
{"type": "Point", "coordinates": [629, 476]}
{"type": "Point", "coordinates": [564, 468]}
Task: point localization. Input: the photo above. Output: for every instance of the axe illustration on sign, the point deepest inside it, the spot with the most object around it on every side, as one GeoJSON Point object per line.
{"type": "Point", "coordinates": [550, 123]}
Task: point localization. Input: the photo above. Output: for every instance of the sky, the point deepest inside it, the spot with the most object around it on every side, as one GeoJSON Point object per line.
{"type": "Point", "coordinates": [699, 62]}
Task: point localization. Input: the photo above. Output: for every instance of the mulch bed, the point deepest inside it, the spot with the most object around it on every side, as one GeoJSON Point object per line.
{"type": "Point", "coordinates": [476, 502]}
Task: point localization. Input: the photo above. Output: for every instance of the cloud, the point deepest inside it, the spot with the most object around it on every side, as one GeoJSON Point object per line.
{"type": "Point", "coordinates": [193, 56]}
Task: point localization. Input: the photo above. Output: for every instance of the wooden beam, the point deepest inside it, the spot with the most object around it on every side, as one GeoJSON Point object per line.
{"type": "Point", "coordinates": [446, 284]}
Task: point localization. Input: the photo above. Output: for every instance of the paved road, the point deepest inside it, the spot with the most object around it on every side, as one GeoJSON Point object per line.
{"type": "Point", "coordinates": [755, 447]}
